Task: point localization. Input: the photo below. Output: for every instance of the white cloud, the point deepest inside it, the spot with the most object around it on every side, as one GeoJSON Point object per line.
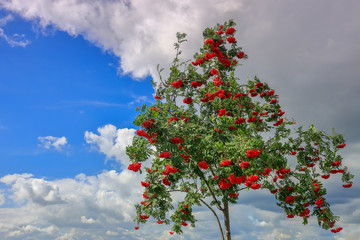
{"type": "Point", "coordinates": [38, 191]}
{"type": "Point", "coordinates": [87, 220]}
{"type": "Point", "coordinates": [278, 235]}
{"type": "Point", "coordinates": [2, 199]}
{"type": "Point", "coordinates": [111, 233]}
{"type": "Point", "coordinates": [139, 32]}
{"type": "Point", "coordinates": [10, 179]}
{"type": "Point", "coordinates": [112, 142]}
{"type": "Point", "coordinates": [257, 222]}
{"type": "Point", "coordinates": [105, 201]}
{"type": "Point", "coordinates": [52, 142]}
{"type": "Point", "coordinates": [15, 40]}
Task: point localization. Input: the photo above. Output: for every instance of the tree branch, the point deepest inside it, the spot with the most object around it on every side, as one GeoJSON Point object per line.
{"type": "Point", "coordinates": [217, 219]}
{"type": "Point", "coordinates": [213, 195]}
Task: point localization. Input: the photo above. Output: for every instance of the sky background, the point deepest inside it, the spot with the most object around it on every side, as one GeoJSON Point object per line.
{"type": "Point", "coordinates": [73, 71]}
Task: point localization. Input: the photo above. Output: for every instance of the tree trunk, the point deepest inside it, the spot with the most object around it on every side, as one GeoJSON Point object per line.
{"type": "Point", "coordinates": [227, 221]}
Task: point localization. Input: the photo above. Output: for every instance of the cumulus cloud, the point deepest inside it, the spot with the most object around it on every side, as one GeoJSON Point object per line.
{"type": "Point", "coordinates": [112, 142]}
{"type": "Point", "coordinates": [9, 179]}
{"type": "Point", "coordinates": [52, 142]}
{"type": "Point", "coordinates": [148, 39]}
{"type": "Point", "coordinates": [105, 201]}
{"type": "Point", "coordinates": [38, 191]}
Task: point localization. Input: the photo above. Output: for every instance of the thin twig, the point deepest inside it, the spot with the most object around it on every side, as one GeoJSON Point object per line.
{"type": "Point", "coordinates": [213, 195]}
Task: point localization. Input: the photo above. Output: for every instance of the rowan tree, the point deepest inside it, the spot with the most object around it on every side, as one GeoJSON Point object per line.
{"type": "Point", "coordinates": [227, 137]}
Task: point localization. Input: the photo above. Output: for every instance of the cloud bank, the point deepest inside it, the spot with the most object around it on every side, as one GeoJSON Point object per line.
{"type": "Point", "coordinates": [101, 207]}
{"type": "Point", "coordinates": [45, 209]}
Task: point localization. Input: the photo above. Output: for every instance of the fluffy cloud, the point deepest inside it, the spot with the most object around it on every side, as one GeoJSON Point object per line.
{"type": "Point", "coordinates": [139, 32]}
{"type": "Point", "coordinates": [52, 142]}
{"type": "Point", "coordinates": [112, 142]}
{"type": "Point", "coordinates": [37, 190]}
{"type": "Point", "coordinates": [105, 201]}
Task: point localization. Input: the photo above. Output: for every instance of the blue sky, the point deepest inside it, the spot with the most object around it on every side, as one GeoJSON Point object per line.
{"type": "Point", "coordinates": [73, 72]}
{"type": "Point", "coordinates": [58, 86]}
